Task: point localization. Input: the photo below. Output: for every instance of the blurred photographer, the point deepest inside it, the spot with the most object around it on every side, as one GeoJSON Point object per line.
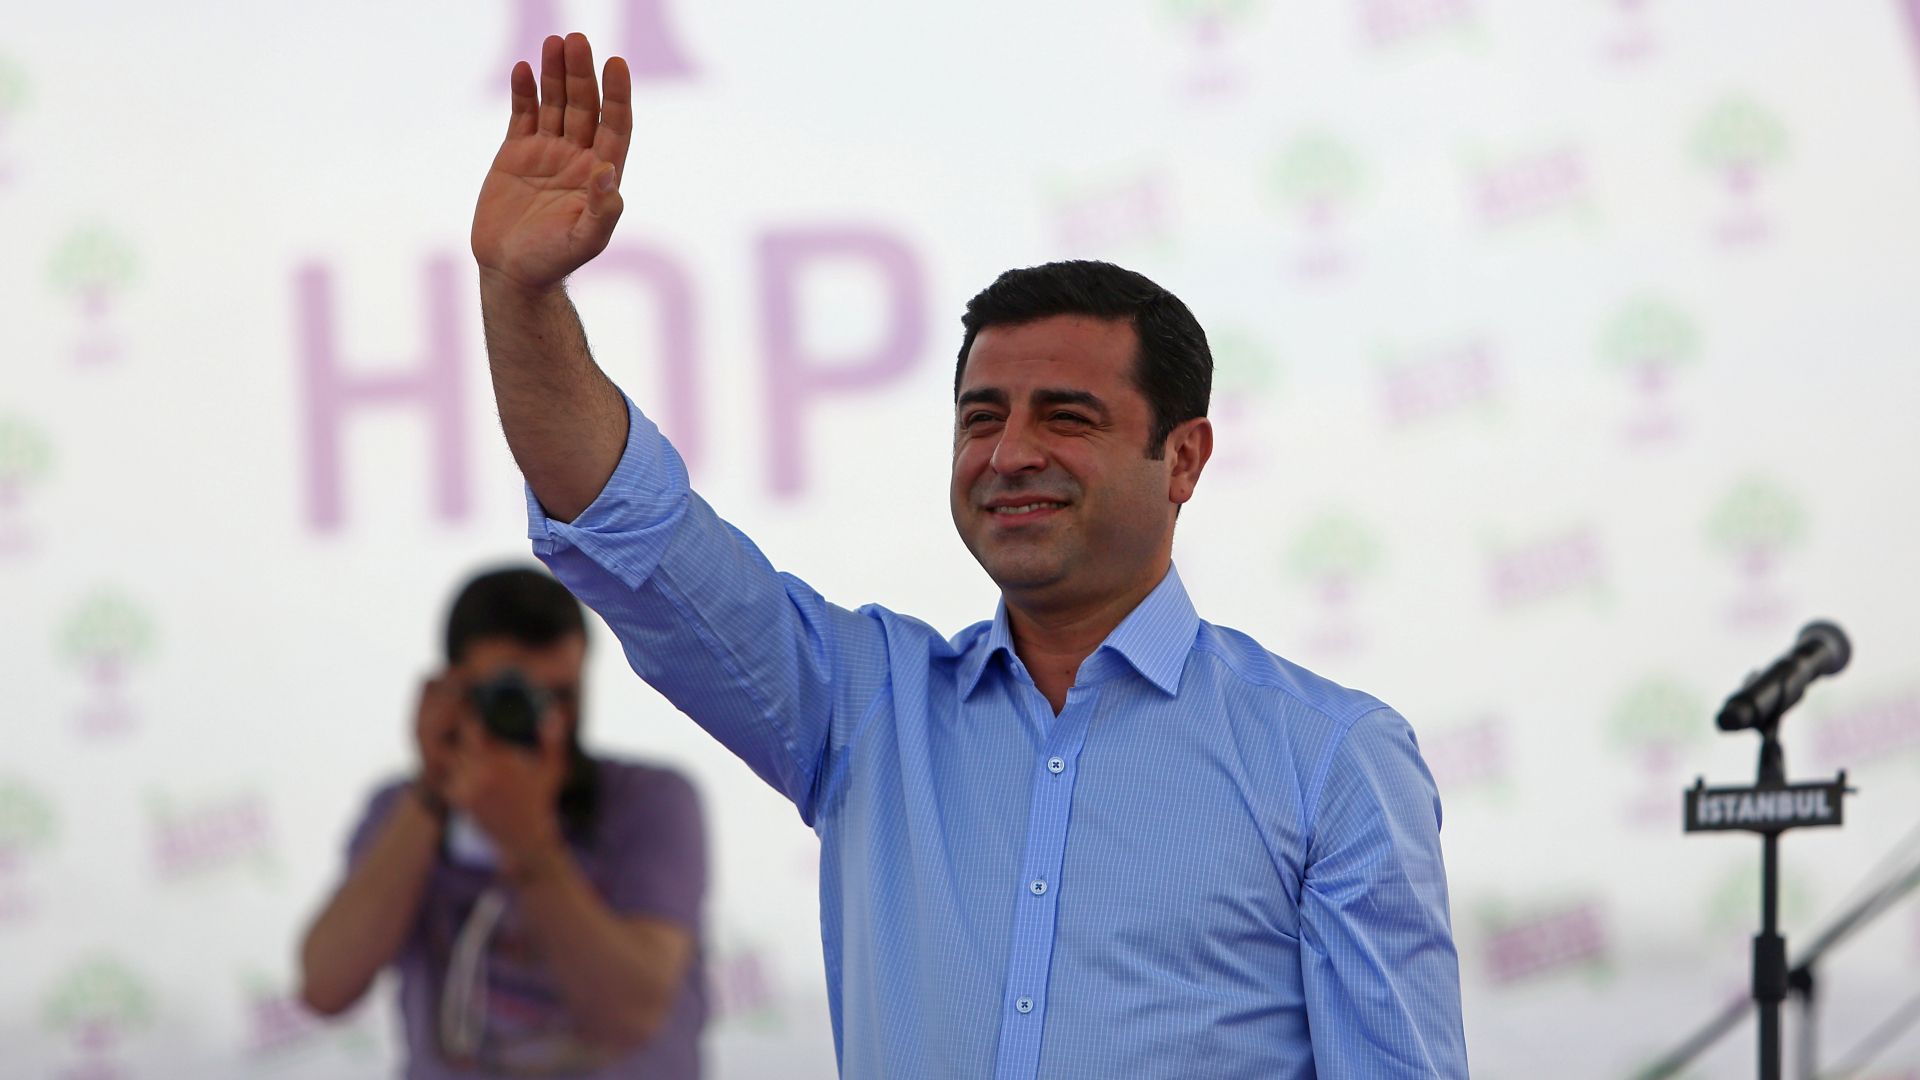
{"type": "Point", "coordinates": [542, 906]}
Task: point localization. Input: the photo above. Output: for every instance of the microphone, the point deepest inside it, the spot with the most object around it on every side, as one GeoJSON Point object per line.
{"type": "Point", "coordinates": [1821, 649]}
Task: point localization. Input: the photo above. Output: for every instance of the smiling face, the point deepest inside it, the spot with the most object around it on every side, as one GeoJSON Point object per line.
{"type": "Point", "coordinates": [1052, 488]}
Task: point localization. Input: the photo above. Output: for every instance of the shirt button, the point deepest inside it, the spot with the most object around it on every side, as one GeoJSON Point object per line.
{"type": "Point", "coordinates": [1038, 887]}
{"type": "Point", "coordinates": [1023, 1005]}
{"type": "Point", "coordinates": [1056, 766]}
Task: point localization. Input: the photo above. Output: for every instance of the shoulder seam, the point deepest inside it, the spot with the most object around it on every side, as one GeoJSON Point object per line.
{"type": "Point", "coordinates": [1310, 794]}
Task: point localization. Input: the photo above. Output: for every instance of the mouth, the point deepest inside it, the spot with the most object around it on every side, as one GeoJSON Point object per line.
{"type": "Point", "coordinates": [1012, 512]}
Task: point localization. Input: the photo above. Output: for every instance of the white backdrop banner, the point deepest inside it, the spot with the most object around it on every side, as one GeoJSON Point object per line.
{"type": "Point", "coordinates": [1566, 367]}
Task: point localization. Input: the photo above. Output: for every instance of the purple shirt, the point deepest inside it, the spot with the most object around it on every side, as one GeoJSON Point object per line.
{"type": "Point", "coordinates": [646, 856]}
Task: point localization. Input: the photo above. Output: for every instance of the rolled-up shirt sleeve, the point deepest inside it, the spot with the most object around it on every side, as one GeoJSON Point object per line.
{"type": "Point", "coordinates": [753, 655]}
{"type": "Point", "coordinates": [1382, 979]}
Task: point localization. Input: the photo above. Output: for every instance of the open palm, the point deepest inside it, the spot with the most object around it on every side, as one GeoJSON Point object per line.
{"type": "Point", "coordinates": [551, 197]}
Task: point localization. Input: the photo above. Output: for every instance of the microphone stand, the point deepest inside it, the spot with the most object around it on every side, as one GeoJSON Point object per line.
{"type": "Point", "coordinates": [1802, 976]}
{"type": "Point", "coordinates": [1771, 806]}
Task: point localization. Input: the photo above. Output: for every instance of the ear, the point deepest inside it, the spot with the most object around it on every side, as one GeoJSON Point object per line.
{"type": "Point", "coordinates": [1189, 446]}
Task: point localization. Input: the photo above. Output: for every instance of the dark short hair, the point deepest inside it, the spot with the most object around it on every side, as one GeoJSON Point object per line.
{"type": "Point", "coordinates": [519, 603]}
{"type": "Point", "coordinates": [1173, 368]}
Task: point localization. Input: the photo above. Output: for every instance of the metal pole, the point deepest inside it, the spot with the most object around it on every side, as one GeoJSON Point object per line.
{"type": "Point", "coordinates": [1769, 960]}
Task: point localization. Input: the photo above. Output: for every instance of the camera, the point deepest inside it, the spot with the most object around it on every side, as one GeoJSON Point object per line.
{"type": "Point", "coordinates": [510, 707]}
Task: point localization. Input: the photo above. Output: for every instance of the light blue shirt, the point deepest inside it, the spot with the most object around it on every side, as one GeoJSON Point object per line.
{"type": "Point", "coordinates": [1212, 863]}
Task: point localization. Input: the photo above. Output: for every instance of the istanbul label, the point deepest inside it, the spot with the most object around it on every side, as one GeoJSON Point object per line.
{"type": "Point", "coordinates": [1764, 809]}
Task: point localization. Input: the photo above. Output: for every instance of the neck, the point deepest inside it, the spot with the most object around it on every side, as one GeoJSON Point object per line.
{"type": "Point", "coordinates": [1053, 637]}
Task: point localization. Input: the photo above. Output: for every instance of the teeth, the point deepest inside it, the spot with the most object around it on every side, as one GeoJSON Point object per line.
{"type": "Point", "coordinates": [1025, 509]}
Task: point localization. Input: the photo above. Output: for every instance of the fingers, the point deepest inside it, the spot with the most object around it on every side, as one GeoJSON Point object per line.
{"type": "Point", "coordinates": [553, 86]}
{"type": "Point", "coordinates": [616, 115]}
{"type": "Point", "coordinates": [582, 115]}
{"type": "Point", "coordinates": [525, 119]}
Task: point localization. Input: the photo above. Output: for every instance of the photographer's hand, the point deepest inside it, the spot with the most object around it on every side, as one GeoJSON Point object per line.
{"type": "Point", "coordinates": [436, 730]}
{"type": "Point", "coordinates": [510, 792]}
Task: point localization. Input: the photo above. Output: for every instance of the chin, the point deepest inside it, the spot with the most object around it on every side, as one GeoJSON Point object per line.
{"type": "Point", "coordinates": [1021, 574]}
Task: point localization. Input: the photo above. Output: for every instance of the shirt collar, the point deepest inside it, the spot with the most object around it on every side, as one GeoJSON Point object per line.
{"type": "Point", "coordinates": [1154, 638]}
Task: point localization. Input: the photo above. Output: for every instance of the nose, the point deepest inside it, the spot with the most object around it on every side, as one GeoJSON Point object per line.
{"type": "Point", "coordinates": [1018, 450]}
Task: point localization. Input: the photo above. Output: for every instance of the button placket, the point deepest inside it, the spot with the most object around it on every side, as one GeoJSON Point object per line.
{"type": "Point", "coordinates": [1031, 955]}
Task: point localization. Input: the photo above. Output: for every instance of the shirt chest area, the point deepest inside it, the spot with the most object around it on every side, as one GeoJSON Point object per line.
{"type": "Point", "coordinates": [1133, 816]}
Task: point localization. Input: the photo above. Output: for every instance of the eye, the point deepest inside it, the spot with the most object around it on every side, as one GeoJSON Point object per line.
{"type": "Point", "coordinates": [978, 416]}
{"type": "Point", "coordinates": [1070, 417]}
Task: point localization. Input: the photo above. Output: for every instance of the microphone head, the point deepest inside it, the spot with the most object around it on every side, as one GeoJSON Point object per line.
{"type": "Point", "coordinates": [1833, 640]}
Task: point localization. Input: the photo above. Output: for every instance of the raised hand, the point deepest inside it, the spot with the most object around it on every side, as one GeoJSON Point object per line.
{"type": "Point", "coordinates": [551, 197]}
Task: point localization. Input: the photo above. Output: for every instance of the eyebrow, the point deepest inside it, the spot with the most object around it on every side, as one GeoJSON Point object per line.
{"type": "Point", "coordinates": [1041, 398]}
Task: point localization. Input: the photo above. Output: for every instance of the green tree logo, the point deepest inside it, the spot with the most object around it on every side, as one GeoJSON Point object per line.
{"type": "Point", "coordinates": [1656, 718]}
{"type": "Point", "coordinates": [93, 263]}
{"type": "Point", "coordinates": [1755, 523]}
{"type": "Point", "coordinates": [1318, 175]}
{"type": "Point", "coordinates": [1650, 338]}
{"type": "Point", "coordinates": [97, 1000]}
{"type": "Point", "coordinates": [1334, 552]}
{"type": "Point", "coordinates": [1738, 138]}
{"type": "Point", "coordinates": [14, 93]}
{"type": "Point", "coordinates": [105, 635]}
{"type": "Point", "coordinates": [26, 819]}
{"type": "Point", "coordinates": [24, 458]}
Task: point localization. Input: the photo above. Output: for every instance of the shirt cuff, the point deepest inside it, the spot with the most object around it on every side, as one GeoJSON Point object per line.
{"type": "Point", "coordinates": [628, 525]}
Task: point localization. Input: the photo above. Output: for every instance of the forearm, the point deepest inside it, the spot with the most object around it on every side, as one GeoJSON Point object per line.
{"type": "Point", "coordinates": [565, 421]}
{"type": "Point", "coordinates": [369, 917]}
{"type": "Point", "coordinates": [619, 982]}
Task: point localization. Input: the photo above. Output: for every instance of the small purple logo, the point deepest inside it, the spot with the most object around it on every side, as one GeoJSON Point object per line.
{"type": "Point", "coordinates": [1317, 177]}
{"type": "Point", "coordinates": [1126, 213]}
{"type": "Point", "coordinates": [1651, 725]}
{"type": "Point", "coordinates": [1650, 339]}
{"type": "Point", "coordinates": [742, 991]}
{"type": "Point", "coordinates": [13, 102]}
{"type": "Point", "coordinates": [1474, 756]}
{"type": "Point", "coordinates": [1386, 23]}
{"type": "Point", "coordinates": [96, 265]}
{"type": "Point", "coordinates": [26, 825]}
{"type": "Point", "coordinates": [1756, 524]}
{"type": "Point", "coordinates": [1868, 731]}
{"type": "Point", "coordinates": [1550, 940]}
{"type": "Point", "coordinates": [1738, 141]}
{"type": "Point", "coordinates": [1545, 567]}
{"type": "Point", "coordinates": [97, 1004]}
{"type": "Point", "coordinates": [1244, 376]}
{"type": "Point", "coordinates": [209, 835]}
{"type": "Point", "coordinates": [1629, 41]}
{"type": "Point", "coordinates": [1333, 555]}
{"type": "Point", "coordinates": [1424, 385]}
{"type": "Point", "coordinates": [1207, 32]}
{"type": "Point", "coordinates": [279, 1027]}
{"type": "Point", "coordinates": [24, 459]}
{"type": "Point", "coordinates": [105, 636]}
{"type": "Point", "coordinates": [1532, 185]}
